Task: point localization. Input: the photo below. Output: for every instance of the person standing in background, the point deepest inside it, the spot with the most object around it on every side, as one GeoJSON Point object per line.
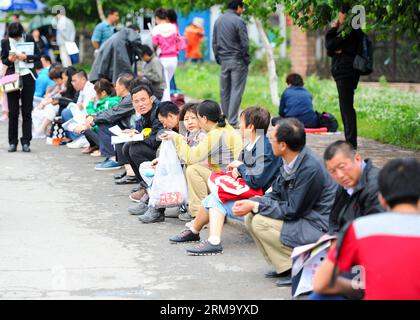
{"type": "Point", "coordinates": [15, 17]}
{"type": "Point", "coordinates": [66, 32]}
{"type": "Point", "coordinates": [173, 18]}
{"type": "Point", "coordinates": [165, 36]}
{"type": "Point", "coordinates": [42, 44]}
{"type": "Point", "coordinates": [194, 34]}
{"type": "Point", "coordinates": [343, 50]}
{"type": "Point", "coordinates": [231, 50]}
{"type": "Point", "coordinates": [21, 99]}
{"type": "Point", "coordinates": [104, 30]}
{"type": "Point", "coordinates": [3, 96]}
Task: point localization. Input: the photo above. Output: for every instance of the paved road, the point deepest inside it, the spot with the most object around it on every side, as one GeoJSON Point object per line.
{"type": "Point", "coordinates": [65, 233]}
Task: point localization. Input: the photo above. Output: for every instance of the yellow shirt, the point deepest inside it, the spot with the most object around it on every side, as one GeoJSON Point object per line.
{"type": "Point", "coordinates": [220, 147]}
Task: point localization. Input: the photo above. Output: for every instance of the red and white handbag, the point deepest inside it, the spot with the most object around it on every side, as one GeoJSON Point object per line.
{"type": "Point", "coordinates": [227, 188]}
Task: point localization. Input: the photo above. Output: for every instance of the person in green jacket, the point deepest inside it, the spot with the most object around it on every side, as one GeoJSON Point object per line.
{"type": "Point", "coordinates": [105, 99]}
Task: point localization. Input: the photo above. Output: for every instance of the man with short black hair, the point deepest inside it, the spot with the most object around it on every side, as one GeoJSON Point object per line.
{"type": "Point", "coordinates": [384, 247]}
{"type": "Point", "coordinates": [104, 30]}
{"type": "Point", "coordinates": [357, 194]}
{"type": "Point", "coordinates": [296, 212]}
{"type": "Point", "coordinates": [77, 110]}
{"type": "Point", "coordinates": [168, 115]}
{"type": "Point", "coordinates": [231, 51]}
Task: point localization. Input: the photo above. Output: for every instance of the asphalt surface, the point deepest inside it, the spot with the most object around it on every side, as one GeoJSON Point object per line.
{"type": "Point", "coordinates": [65, 233]}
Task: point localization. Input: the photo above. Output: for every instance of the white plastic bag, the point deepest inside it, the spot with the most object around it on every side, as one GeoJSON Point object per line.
{"type": "Point", "coordinates": [169, 188]}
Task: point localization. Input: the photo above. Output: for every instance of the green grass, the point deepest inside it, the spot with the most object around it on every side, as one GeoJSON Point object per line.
{"type": "Point", "coordinates": [386, 115]}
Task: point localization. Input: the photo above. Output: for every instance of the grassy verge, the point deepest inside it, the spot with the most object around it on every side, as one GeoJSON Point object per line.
{"type": "Point", "coordinates": [386, 115]}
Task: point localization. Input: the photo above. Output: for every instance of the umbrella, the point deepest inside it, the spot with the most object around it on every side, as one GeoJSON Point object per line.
{"type": "Point", "coordinates": [40, 8]}
{"type": "Point", "coordinates": [28, 6]}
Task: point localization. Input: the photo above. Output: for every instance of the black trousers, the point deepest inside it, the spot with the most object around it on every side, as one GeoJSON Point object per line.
{"type": "Point", "coordinates": [26, 95]}
{"type": "Point", "coordinates": [345, 88]}
{"type": "Point", "coordinates": [136, 153]}
{"type": "Point", "coordinates": [92, 137]}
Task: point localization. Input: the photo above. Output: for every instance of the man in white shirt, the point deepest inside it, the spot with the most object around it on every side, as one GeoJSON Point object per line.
{"type": "Point", "coordinates": [77, 111]}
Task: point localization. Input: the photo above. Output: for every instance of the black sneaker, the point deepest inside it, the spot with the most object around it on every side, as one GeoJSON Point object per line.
{"type": "Point", "coordinates": [185, 236]}
{"type": "Point", "coordinates": [12, 148]}
{"type": "Point", "coordinates": [120, 175]}
{"type": "Point", "coordinates": [153, 215]}
{"type": "Point", "coordinates": [205, 248]}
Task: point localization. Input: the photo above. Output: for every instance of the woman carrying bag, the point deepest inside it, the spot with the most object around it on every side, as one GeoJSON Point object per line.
{"type": "Point", "coordinates": [11, 58]}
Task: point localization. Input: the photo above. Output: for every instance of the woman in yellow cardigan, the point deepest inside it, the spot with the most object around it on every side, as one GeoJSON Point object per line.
{"type": "Point", "coordinates": [220, 147]}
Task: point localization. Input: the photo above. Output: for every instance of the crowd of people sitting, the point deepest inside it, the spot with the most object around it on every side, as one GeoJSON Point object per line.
{"type": "Point", "coordinates": [298, 197]}
{"type": "Point", "coordinates": [303, 197]}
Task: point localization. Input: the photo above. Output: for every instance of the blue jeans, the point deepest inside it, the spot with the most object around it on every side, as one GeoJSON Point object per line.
{"type": "Point", "coordinates": [66, 115]}
{"type": "Point", "coordinates": [105, 146]}
{"type": "Point", "coordinates": [213, 202]}
{"type": "Point", "coordinates": [317, 296]}
{"type": "Point", "coordinates": [173, 84]}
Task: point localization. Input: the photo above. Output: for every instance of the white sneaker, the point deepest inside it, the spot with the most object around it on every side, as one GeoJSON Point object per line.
{"type": "Point", "coordinates": [38, 135]}
{"type": "Point", "coordinates": [78, 143]}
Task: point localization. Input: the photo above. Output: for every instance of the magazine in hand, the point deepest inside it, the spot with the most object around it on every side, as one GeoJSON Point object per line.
{"type": "Point", "coordinates": [26, 48]}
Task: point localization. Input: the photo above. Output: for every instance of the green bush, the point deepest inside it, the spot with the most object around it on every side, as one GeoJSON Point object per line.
{"type": "Point", "coordinates": [384, 114]}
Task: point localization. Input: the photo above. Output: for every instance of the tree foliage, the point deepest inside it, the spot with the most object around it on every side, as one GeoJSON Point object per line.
{"type": "Point", "coordinates": [85, 12]}
{"type": "Point", "coordinates": [400, 16]}
{"type": "Point", "coordinates": [383, 16]}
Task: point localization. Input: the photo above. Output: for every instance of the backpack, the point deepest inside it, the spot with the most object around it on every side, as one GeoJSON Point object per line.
{"type": "Point", "coordinates": [57, 130]}
{"type": "Point", "coordinates": [327, 120]}
{"type": "Point", "coordinates": [363, 62]}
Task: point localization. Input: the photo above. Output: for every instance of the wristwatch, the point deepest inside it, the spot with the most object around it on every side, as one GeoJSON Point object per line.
{"type": "Point", "coordinates": [256, 208]}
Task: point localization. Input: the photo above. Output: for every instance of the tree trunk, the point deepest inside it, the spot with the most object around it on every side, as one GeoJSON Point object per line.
{"type": "Point", "coordinates": [271, 64]}
{"type": "Point", "coordinates": [82, 47]}
{"type": "Point", "coordinates": [100, 9]}
{"type": "Point", "coordinates": [282, 26]}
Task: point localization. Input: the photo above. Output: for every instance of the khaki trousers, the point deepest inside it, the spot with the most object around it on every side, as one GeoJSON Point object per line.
{"type": "Point", "coordinates": [197, 176]}
{"type": "Point", "coordinates": [266, 234]}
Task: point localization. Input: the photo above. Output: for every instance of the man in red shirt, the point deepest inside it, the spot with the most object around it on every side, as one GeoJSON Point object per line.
{"type": "Point", "coordinates": [382, 249]}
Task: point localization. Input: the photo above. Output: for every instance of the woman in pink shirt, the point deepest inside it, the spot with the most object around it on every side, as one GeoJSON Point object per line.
{"type": "Point", "coordinates": [168, 43]}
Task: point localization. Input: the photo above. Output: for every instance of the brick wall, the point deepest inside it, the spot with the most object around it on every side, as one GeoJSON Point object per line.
{"type": "Point", "coordinates": [302, 52]}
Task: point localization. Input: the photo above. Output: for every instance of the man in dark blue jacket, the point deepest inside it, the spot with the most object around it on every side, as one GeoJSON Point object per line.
{"type": "Point", "coordinates": [257, 165]}
{"type": "Point", "coordinates": [296, 212]}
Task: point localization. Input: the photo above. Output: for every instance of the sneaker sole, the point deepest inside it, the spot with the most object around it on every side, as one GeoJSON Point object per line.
{"type": "Point", "coordinates": [178, 242]}
{"type": "Point", "coordinates": [134, 200]}
{"type": "Point", "coordinates": [136, 214]}
{"type": "Point", "coordinates": [204, 254]}
{"type": "Point", "coordinates": [107, 169]}
{"type": "Point", "coordinates": [185, 220]}
{"type": "Point", "coordinates": [160, 221]}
